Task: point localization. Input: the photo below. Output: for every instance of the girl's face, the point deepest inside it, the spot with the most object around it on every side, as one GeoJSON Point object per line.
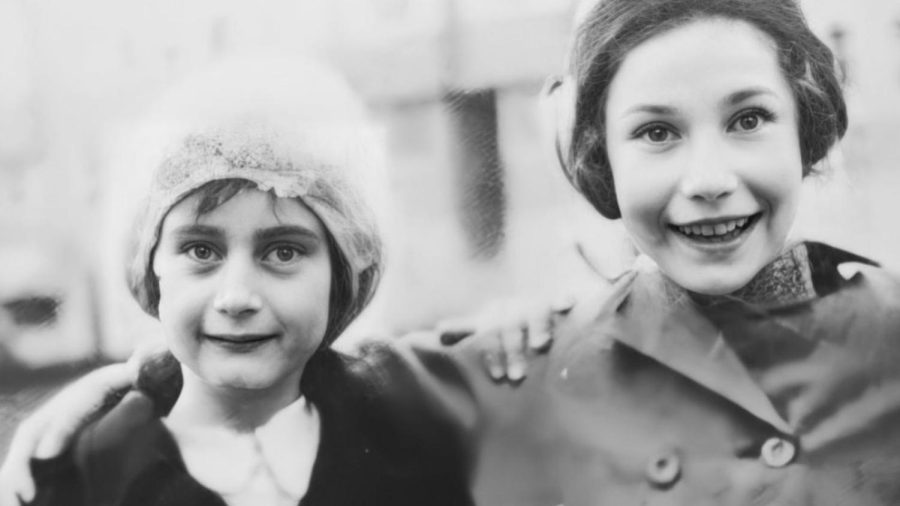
{"type": "Point", "coordinates": [244, 289]}
{"type": "Point", "coordinates": [703, 143]}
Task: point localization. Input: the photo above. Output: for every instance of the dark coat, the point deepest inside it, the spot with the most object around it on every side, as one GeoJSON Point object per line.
{"type": "Point", "coordinates": [668, 401]}
{"type": "Point", "coordinates": [381, 442]}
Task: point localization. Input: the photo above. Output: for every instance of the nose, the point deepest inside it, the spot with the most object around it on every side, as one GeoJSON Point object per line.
{"type": "Point", "coordinates": [709, 175]}
{"type": "Point", "coordinates": [237, 295]}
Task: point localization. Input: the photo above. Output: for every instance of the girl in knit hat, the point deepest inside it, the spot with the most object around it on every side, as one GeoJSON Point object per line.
{"type": "Point", "coordinates": [255, 251]}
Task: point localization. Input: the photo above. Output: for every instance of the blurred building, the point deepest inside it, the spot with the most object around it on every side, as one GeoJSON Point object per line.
{"type": "Point", "coordinates": [853, 203]}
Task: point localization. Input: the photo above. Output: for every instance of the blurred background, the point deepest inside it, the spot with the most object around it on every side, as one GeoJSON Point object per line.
{"type": "Point", "coordinates": [475, 206]}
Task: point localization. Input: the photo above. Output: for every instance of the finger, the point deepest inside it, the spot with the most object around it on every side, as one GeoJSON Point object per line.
{"type": "Point", "coordinates": [17, 488]}
{"type": "Point", "coordinates": [76, 406]}
{"type": "Point", "coordinates": [8, 495]}
{"type": "Point", "coordinates": [16, 474]}
{"type": "Point", "coordinates": [24, 487]}
{"type": "Point", "coordinates": [47, 431]}
{"type": "Point", "coordinates": [451, 337]}
{"type": "Point", "coordinates": [563, 304]}
{"type": "Point", "coordinates": [620, 289]}
{"type": "Point", "coordinates": [52, 444]}
{"type": "Point", "coordinates": [16, 470]}
{"type": "Point", "coordinates": [513, 342]}
{"type": "Point", "coordinates": [601, 303]}
{"type": "Point", "coordinates": [494, 364]}
{"type": "Point", "coordinates": [452, 331]}
{"type": "Point", "coordinates": [589, 260]}
{"type": "Point", "coordinates": [540, 333]}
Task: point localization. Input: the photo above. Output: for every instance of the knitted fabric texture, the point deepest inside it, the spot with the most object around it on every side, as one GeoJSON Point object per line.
{"type": "Point", "coordinates": [255, 153]}
{"type": "Point", "coordinates": [317, 148]}
{"type": "Point", "coordinates": [785, 280]}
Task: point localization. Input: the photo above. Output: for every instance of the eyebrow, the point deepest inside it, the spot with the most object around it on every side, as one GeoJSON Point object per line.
{"type": "Point", "coordinates": [195, 229]}
{"type": "Point", "coordinates": [742, 95]}
{"type": "Point", "coordinates": [281, 231]}
{"type": "Point", "coordinates": [267, 234]}
{"type": "Point", "coordinates": [732, 99]}
{"type": "Point", "coordinates": [650, 108]}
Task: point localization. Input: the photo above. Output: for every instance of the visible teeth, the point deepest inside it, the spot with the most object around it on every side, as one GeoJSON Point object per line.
{"type": "Point", "coordinates": [712, 230]}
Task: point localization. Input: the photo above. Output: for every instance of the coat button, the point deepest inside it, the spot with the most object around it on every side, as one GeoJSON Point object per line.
{"type": "Point", "coordinates": [778, 452]}
{"type": "Point", "coordinates": [664, 470]}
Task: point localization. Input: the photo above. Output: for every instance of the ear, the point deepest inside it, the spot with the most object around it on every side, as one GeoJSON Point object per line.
{"type": "Point", "coordinates": [154, 264]}
{"type": "Point", "coordinates": [558, 97]}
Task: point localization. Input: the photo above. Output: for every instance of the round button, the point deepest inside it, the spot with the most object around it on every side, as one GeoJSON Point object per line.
{"type": "Point", "coordinates": [664, 470]}
{"type": "Point", "coordinates": [778, 452]}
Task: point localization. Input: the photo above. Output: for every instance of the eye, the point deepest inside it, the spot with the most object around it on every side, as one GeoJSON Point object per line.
{"type": "Point", "coordinates": [201, 252]}
{"type": "Point", "coordinates": [751, 120]}
{"type": "Point", "coordinates": [283, 255]}
{"type": "Point", "coordinates": [656, 134]}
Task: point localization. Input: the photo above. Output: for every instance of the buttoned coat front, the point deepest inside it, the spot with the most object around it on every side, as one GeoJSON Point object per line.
{"type": "Point", "coordinates": [668, 401]}
{"type": "Point", "coordinates": [381, 444]}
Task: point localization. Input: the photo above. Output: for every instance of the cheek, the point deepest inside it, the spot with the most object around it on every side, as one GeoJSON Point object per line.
{"type": "Point", "coordinates": [182, 299]}
{"type": "Point", "coordinates": [777, 175]}
{"type": "Point", "coordinates": [305, 303]}
{"type": "Point", "coordinates": [642, 193]}
{"type": "Point", "coordinates": [178, 312]}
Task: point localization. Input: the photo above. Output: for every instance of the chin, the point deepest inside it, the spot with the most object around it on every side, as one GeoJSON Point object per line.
{"type": "Point", "coordinates": [713, 282]}
{"type": "Point", "coordinates": [239, 381]}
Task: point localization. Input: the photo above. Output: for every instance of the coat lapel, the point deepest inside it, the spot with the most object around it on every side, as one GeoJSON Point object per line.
{"type": "Point", "coordinates": [680, 338]}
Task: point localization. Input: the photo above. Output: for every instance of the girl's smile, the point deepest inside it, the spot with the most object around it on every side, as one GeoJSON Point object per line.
{"type": "Point", "coordinates": [716, 230]}
{"type": "Point", "coordinates": [244, 290]}
{"type": "Point", "coordinates": [240, 342]}
{"type": "Point", "coordinates": [703, 143]}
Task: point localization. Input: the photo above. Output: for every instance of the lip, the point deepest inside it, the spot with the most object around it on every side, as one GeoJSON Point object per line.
{"type": "Point", "coordinates": [721, 244]}
{"type": "Point", "coordinates": [239, 342]}
{"type": "Point", "coordinates": [716, 220]}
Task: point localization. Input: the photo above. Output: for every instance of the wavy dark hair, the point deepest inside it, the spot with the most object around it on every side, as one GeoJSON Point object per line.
{"type": "Point", "coordinates": [614, 27]}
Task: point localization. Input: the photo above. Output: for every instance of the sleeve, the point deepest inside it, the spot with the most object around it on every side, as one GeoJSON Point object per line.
{"type": "Point", "coordinates": [427, 400]}
{"type": "Point", "coordinates": [502, 425]}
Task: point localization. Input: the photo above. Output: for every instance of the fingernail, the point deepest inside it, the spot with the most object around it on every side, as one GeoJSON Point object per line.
{"type": "Point", "coordinates": [563, 305]}
{"type": "Point", "coordinates": [516, 373]}
{"type": "Point", "coordinates": [626, 276]}
{"type": "Point", "coordinates": [451, 337]}
{"type": "Point", "coordinates": [542, 342]}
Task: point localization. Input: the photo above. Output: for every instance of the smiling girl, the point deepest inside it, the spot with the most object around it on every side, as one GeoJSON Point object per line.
{"type": "Point", "coordinates": [742, 367]}
{"type": "Point", "coordinates": [701, 137]}
{"type": "Point", "coordinates": [255, 252]}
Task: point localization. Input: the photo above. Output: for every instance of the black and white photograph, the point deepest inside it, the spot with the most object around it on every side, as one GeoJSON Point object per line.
{"type": "Point", "coordinates": [449, 252]}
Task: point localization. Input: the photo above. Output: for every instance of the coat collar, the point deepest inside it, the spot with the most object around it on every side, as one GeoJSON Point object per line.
{"type": "Point", "coordinates": [679, 337]}
{"type": "Point", "coordinates": [685, 333]}
{"type": "Point", "coordinates": [273, 461]}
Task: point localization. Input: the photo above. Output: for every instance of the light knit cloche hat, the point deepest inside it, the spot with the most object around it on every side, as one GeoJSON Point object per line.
{"type": "Point", "coordinates": [292, 127]}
